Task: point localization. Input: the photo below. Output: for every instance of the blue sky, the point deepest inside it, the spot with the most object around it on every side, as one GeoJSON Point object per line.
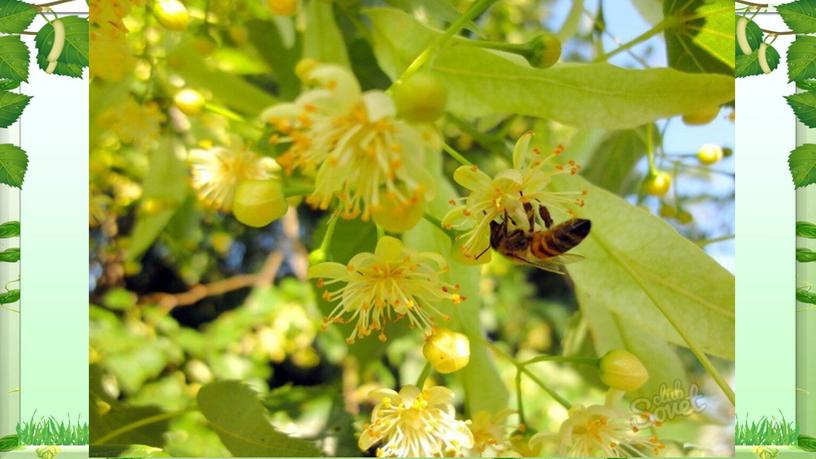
{"type": "Point", "coordinates": [625, 22]}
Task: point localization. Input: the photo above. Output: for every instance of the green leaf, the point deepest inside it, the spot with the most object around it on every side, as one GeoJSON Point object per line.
{"type": "Point", "coordinates": [269, 41]}
{"type": "Point", "coordinates": [611, 331]}
{"type": "Point", "coordinates": [113, 422]}
{"type": "Point", "coordinates": [748, 65]}
{"type": "Point", "coordinates": [611, 165]}
{"type": "Point", "coordinates": [482, 82]}
{"type": "Point", "coordinates": [804, 106]}
{"type": "Point", "coordinates": [806, 230]}
{"type": "Point", "coordinates": [441, 11]}
{"type": "Point", "coordinates": [15, 16]}
{"type": "Point", "coordinates": [74, 56]}
{"type": "Point", "coordinates": [165, 186]}
{"type": "Point", "coordinates": [700, 37]}
{"type": "Point", "coordinates": [633, 258]}
{"type": "Point", "coordinates": [802, 59]}
{"type": "Point", "coordinates": [140, 451]}
{"type": "Point", "coordinates": [802, 164]}
{"type": "Point", "coordinates": [14, 58]}
{"type": "Point", "coordinates": [238, 417]}
{"type": "Point", "coordinates": [9, 443]}
{"type": "Point", "coordinates": [805, 255]}
{"type": "Point", "coordinates": [322, 39]}
{"type": "Point", "coordinates": [11, 107]}
{"type": "Point", "coordinates": [804, 295]}
{"type": "Point", "coordinates": [10, 255]}
{"type": "Point", "coordinates": [231, 90]}
{"type": "Point", "coordinates": [10, 229]}
{"type": "Point", "coordinates": [13, 164]}
{"type": "Point", "coordinates": [807, 443]}
{"type": "Point", "coordinates": [10, 296]}
{"type": "Point", "coordinates": [800, 15]}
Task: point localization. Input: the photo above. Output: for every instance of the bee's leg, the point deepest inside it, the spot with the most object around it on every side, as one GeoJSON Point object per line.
{"type": "Point", "coordinates": [507, 218]}
{"type": "Point", "coordinates": [528, 209]}
{"type": "Point", "coordinates": [483, 252]}
{"type": "Point", "coordinates": [545, 215]}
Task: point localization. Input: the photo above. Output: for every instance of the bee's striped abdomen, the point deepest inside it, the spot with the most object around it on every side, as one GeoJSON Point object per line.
{"type": "Point", "coordinates": [560, 239]}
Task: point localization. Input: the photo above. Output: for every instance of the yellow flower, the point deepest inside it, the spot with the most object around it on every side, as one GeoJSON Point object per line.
{"type": "Point", "coordinates": [506, 193]}
{"type": "Point", "coordinates": [490, 434]}
{"type": "Point", "coordinates": [358, 150]}
{"type": "Point", "coordinates": [385, 286]}
{"type": "Point", "coordinates": [217, 171]}
{"type": "Point", "coordinates": [112, 57]}
{"type": "Point", "coordinates": [601, 431]}
{"type": "Point", "coordinates": [132, 122]}
{"type": "Point", "coordinates": [414, 423]}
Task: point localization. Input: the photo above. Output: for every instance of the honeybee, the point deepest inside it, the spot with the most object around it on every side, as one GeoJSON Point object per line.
{"type": "Point", "coordinates": [544, 249]}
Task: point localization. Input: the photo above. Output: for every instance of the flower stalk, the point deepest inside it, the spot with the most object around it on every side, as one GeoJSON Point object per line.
{"type": "Point", "coordinates": [475, 10]}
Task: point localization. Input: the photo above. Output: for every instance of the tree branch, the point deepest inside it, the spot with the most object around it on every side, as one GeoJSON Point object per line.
{"type": "Point", "coordinates": [170, 301]}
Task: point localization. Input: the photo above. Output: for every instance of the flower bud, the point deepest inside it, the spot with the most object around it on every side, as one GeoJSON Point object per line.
{"type": "Point", "coordinates": [259, 202]}
{"type": "Point", "coordinates": [657, 184]}
{"type": "Point", "coordinates": [172, 14]}
{"type": "Point", "coordinates": [189, 101]}
{"type": "Point", "coordinates": [304, 67]}
{"type": "Point", "coordinates": [396, 216]}
{"type": "Point", "coordinates": [623, 371]}
{"type": "Point", "coordinates": [317, 256]}
{"type": "Point", "coordinates": [702, 116]}
{"type": "Point", "coordinates": [447, 351]}
{"type": "Point", "coordinates": [710, 154]}
{"type": "Point", "coordinates": [684, 217]}
{"type": "Point", "coordinates": [545, 50]}
{"type": "Point", "coordinates": [282, 7]}
{"type": "Point", "coordinates": [421, 98]}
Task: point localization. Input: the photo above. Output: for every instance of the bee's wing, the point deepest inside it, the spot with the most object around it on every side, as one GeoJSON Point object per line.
{"type": "Point", "coordinates": [566, 258]}
{"type": "Point", "coordinates": [554, 264]}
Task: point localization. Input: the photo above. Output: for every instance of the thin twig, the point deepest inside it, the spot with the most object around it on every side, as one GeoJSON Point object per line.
{"type": "Point", "coordinates": [776, 32]}
{"type": "Point", "coordinates": [760, 5]}
{"type": "Point", "coordinates": [54, 3]}
{"type": "Point", "coordinates": [170, 301]}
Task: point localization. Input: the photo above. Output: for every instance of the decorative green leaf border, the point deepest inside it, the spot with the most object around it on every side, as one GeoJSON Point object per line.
{"type": "Point", "coordinates": [11, 255]}
{"type": "Point", "coordinates": [755, 55]}
{"type": "Point", "coordinates": [62, 49]}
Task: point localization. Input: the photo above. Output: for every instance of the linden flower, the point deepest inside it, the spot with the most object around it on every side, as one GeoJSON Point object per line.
{"type": "Point", "coordinates": [490, 436]}
{"type": "Point", "coordinates": [217, 171]}
{"type": "Point", "coordinates": [414, 423]}
{"type": "Point", "coordinates": [601, 431]}
{"type": "Point", "coordinates": [385, 286]}
{"type": "Point", "coordinates": [506, 193]}
{"type": "Point", "coordinates": [352, 141]}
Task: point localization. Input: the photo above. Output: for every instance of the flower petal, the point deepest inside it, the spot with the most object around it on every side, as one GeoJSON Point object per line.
{"type": "Point", "coordinates": [389, 248]}
{"type": "Point", "coordinates": [507, 178]}
{"type": "Point", "coordinates": [472, 178]}
{"type": "Point", "coordinates": [457, 217]}
{"type": "Point", "coordinates": [521, 149]}
{"type": "Point", "coordinates": [378, 105]}
{"type": "Point", "coordinates": [328, 270]}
